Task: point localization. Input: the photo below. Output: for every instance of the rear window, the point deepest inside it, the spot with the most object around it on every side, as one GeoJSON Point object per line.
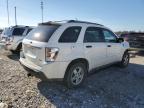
{"type": "Point", "coordinates": [42, 33]}
{"type": "Point", "coordinates": [18, 31]}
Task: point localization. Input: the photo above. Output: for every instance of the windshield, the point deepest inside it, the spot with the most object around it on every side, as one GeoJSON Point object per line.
{"type": "Point", "coordinates": [42, 33]}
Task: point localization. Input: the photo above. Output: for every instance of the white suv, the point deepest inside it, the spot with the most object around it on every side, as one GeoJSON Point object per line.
{"type": "Point", "coordinates": [12, 37]}
{"type": "Point", "coordinates": [71, 50]}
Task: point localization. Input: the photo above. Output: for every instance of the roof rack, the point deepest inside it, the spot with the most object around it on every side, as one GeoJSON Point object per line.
{"type": "Point", "coordinates": [76, 21]}
{"type": "Point", "coordinates": [66, 21]}
{"type": "Point", "coordinates": [20, 26]}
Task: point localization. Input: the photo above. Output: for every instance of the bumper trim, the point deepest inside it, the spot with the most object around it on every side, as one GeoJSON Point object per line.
{"type": "Point", "coordinates": [30, 65]}
{"type": "Point", "coordinates": [40, 74]}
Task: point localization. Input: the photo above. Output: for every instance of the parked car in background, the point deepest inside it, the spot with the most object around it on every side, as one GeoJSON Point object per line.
{"type": "Point", "coordinates": [12, 37]}
{"type": "Point", "coordinates": [136, 40]}
{"type": "Point", "coordinates": [71, 50]}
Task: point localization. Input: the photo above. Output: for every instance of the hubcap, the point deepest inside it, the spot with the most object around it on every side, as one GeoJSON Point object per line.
{"type": "Point", "coordinates": [77, 75]}
{"type": "Point", "coordinates": [126, 60]}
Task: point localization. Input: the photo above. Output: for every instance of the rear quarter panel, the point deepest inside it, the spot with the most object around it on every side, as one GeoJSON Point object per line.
{"type": "Point", "coordinates": [67, 51]}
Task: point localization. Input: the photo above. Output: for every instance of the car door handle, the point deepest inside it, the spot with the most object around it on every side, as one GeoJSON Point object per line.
{"type": "Point", "coordinates": [108, 45]}
{"type": "Point", "coordinates": [89, 46]}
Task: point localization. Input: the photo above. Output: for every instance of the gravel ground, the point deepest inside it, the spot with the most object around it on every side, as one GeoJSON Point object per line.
{"type": "Point", "coordinates": [112, 87]}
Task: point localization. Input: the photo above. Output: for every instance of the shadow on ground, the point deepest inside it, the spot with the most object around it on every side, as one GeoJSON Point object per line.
{"type": "Point", "coordinates": [14, 56]}
{"type": "Point", "coordinates": [106, 88]}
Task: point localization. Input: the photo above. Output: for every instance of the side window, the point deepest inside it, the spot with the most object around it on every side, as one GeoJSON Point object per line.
{"type": "Point", "coordinates": [18, 31]}
{"type": "Point", "coordinates": [109, 36]}
{"type": "Point", "coordinates": [93, 34]}
{"type": "Point", "coordinates": [70, 35]}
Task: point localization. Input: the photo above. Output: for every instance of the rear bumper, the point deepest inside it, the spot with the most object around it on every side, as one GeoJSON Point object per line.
{"type": "Point", "coordinates": [51, 70]}
{"type": "Point", "coordinates": [30, 65]}
{"type": "Point", "coordinates": [7, 46]}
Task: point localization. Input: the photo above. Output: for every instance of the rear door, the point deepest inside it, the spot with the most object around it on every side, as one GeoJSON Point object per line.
{"type": "Point", "coordinates": [68, 45]}
{"type": "Point", "coordinates": [113, 47]}
{"type": "Point", "coordinates": [95, 47]}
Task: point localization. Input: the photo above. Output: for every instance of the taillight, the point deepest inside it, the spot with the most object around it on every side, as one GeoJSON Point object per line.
{"type": "Point", "coordinates": [51, 54]}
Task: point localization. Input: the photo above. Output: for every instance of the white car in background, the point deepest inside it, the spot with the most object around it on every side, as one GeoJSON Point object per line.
{"type": "Point", "coordinates": [71, 50]}
{"type": "Point", "coordinates": [12, 37]}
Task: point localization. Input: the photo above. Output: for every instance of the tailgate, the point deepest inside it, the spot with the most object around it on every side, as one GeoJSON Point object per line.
{"type": "Point", "coordinates": [34, 54]}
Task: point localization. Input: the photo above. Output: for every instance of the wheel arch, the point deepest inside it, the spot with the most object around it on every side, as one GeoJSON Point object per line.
{"type": "Point", "coordinates": [82, 60]}
{"type": "Point", "coordinates": [19, 46]}
{"type": "Point", "coordinates": [127, 50]}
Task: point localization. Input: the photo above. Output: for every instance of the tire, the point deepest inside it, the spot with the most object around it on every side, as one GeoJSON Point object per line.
{"type": "Point", "coordinates": [75, 75]}
{"type": "Point", "coordinates": [125, 60]}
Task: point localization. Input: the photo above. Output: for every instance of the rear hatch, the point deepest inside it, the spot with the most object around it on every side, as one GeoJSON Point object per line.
{"type": "Point", "coordinates": [33, 51]}
{"type": "Point", "coordinates": [35, 43]}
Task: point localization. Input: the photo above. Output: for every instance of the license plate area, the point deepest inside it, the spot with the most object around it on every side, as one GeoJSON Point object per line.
{"type": "Point", "coordinates": [30, 50]}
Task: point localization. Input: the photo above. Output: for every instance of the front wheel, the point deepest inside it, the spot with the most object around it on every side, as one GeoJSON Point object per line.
{"type": "Point", "coordinates": [75, 75]}
{"type": "Point", "coordinates": [125, 60]}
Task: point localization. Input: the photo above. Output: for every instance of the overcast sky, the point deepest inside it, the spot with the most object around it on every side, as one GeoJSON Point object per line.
{"type": "Point", "coordinates": [116, 14]}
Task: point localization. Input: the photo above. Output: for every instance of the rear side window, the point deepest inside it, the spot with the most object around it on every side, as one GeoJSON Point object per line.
{"type": "Point", "coordinates": [42, 33]}
{"type": "Point", "coordinates": [18, 31]}
{"type": "Point", "coordinates": [70, 35]}
{"type": "Point", "coordinates": [93, 34]}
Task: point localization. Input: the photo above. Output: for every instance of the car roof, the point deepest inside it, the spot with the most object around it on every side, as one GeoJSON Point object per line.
{"type": "Point", "coordinates": [21, 26]}
{"type": "Point", "coordinates": [73, 22]}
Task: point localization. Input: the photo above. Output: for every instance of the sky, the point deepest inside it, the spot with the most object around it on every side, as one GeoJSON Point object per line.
{"type": "Point", "coordinates": [119, 15]}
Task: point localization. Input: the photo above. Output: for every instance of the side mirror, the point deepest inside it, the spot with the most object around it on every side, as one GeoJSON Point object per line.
{"type": "Point", "coordinates": [120, 40]}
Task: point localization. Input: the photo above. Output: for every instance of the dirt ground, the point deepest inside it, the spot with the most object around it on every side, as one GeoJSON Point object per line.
{"type": "Point", "coordinates": [112, 87]}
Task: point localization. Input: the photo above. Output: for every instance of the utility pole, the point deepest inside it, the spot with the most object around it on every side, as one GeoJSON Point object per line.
{"type": "Point", "coordinates": [15, 16]}
{"type": "Point", "coordinates": [42, 10]}
{"type": "Point", "coordinates": [8, 13]}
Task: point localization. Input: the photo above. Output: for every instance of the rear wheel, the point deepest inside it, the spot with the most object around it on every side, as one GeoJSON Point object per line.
{"type": "Point", "coordinates": [125, 60]}
{"type": "Point", "coordinates": [75, 75]}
